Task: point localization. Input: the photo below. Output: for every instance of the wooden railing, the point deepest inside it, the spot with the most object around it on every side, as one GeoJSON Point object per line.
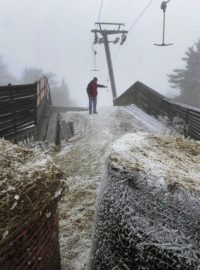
{"type": "Point", "coordinates": [21, 107]}
{"type": "Point", "coordinates": [156, 104]}
{"type": "Point", "coordinates": [43, 96]}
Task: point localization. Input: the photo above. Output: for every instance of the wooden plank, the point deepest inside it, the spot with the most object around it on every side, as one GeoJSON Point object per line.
{"type": "Point", "coordinates": [194, 121]}
{"type": "Point", "coordinates": [23, 107]}
{"type": "Point", "coordinates": [5, 98]}
{"type": "Point", "coordinates": [67, 130]}
{"type": "Point", "coordinates": [23, 121]}
{"type": "Point", "coordinates": [194, 114]}
{"type": "Point", "coordinates": [42, 126]}
{"type": "Point", "coordinates": [52, 127]}
{"type": "Point", "coordinates": [7, 130]}
{"type": "Point", "coordinates": [4, 117]}
{"type": "Point", "coordinates": [7, 123]}
{"type": "Point", "coordinates": [18, 107]}
{"type": "Point", "coordinates": [25, 125]}
{"type": "Point", "coordinates": [14, 130]}
{"type": "Point", "coordinates": [13, 105]}
{"type": "Point", "coordinates": [7, 134]}
{"type": "Point", "coordinates": [17, 87]}
{"type": "Point", "coordinates": [5, 111]}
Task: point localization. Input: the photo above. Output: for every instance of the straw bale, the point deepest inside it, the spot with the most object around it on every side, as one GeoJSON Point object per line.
{"type": "Point", "coordinates": [30, 186]}
{"type": "Point", "coordinates": [147, 214]}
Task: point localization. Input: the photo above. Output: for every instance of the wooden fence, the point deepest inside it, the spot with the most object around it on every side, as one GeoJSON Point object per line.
{"type": "Point", "coordinates": [156, 104]}
{"type": "Point", "coordinates": [21, 107]}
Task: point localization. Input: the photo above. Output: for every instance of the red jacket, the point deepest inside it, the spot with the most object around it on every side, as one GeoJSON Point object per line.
{"type": "Point", "coordinates": [92, 88]}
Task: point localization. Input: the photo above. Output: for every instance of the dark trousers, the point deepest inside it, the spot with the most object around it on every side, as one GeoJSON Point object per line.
{"type": "Point", "coordinates": [92, 104]}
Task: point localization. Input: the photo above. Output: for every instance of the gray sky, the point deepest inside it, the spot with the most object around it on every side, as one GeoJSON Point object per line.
{"type": "Point", "coordinates": [56, 35]}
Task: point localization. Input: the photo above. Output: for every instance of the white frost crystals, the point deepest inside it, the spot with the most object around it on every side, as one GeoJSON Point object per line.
{"type": "Point", "coordinates": [58, 193]}
{"type": "Point", "coordinates": [166, 160]}
{"type": "Point", "coordinates": [147, 215]}
{"type": "Point", "coordinates": [16, 197]}
{"type": "Point", "coordinates": [29, 183]}
{"type": "Point", "coordinates": [83, 159]}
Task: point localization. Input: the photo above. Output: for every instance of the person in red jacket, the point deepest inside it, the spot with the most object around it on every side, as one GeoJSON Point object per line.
{"type": "Point", "coordinates": [92, 94]}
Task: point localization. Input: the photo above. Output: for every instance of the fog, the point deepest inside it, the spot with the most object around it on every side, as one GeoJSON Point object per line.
{"type": "Point", "coordinates": [55, 35]}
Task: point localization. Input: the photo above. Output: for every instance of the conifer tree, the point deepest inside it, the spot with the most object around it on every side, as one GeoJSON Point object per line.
{"type": "Point", "coordinates": [30, 75]}
{"type": "Point", "coordinates": [5, 75]}
{"type": "Point", "coordinates": [62, 96]}
{"type": "Point", "coordinates": [187, 80]}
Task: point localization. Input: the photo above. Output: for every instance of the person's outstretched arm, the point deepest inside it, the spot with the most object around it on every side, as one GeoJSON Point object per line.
{"type": "Point", "coordinates": [101, 86]}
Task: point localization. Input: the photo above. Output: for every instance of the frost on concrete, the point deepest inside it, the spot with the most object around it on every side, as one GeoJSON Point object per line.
{"type": "Point", "coordinates": [147, 214]}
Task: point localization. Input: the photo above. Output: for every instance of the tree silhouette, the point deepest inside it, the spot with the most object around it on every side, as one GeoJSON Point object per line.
{"type": "Point", "coordinates": [30, 75]}
{"type": "Point", "coordinates": [5, 76]}
{"type": "Point", "coordinates": [61, 95]}
{"type": "Point", "coordinates": [53, 83]}
{"type": "Point", "coordinates": [187, 80]}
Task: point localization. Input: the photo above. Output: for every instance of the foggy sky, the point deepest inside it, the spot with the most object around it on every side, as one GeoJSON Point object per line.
{"type": "Point", "coordinates": [55, 35]}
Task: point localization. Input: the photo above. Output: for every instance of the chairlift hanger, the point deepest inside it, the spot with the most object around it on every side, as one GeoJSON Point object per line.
{"type": "Point", "coordinates": [163, 7]}
{"type": "Point", "coordinates": [95, 54]}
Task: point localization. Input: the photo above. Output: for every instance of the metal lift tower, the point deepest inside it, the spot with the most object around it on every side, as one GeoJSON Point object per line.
{"type": "Point", "coordinates": [104, 39]}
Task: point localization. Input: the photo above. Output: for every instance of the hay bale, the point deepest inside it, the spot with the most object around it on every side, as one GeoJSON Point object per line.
{"type": "Point", "coordinates": [30, 187]}
{"type": "Point", "coordinates": [147, 214]}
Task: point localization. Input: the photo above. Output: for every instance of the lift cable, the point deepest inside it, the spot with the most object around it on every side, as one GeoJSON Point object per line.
{"type": "Point", "coordinates": [100, 11]}
{"type": "Point", "coordinates": [141, 14]}
{"type": "Point", "coordinates": [135, 22]}
{"type": "Point", "coordinates": [93, 44]}
{"type": "Point", "coordinates": [138, 18]}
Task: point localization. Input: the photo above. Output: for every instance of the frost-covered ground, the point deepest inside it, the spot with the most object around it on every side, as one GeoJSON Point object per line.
{"type": "Point", "coordinates": [148, 208]}
{"type": "Point", "coordinates": [82, 158]}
